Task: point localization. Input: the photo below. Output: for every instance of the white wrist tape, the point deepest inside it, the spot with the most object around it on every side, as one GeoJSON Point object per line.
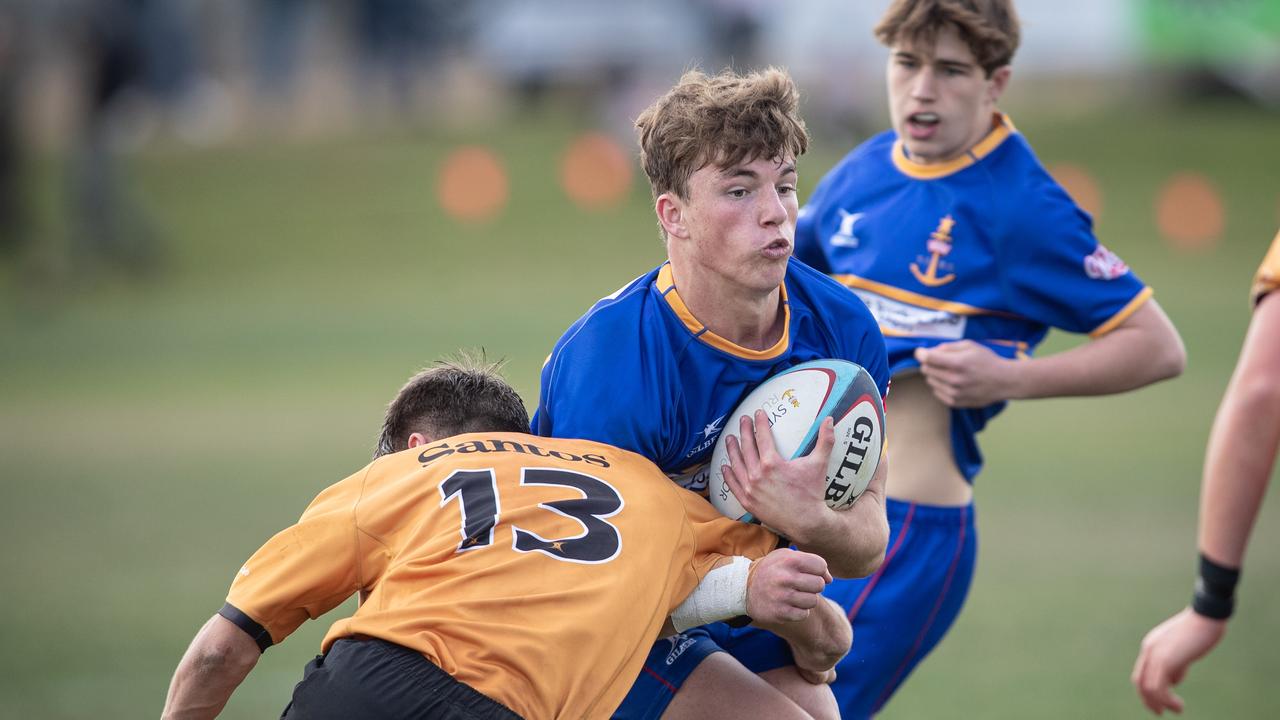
{"type": "Point", "coordinates": [721, 595]}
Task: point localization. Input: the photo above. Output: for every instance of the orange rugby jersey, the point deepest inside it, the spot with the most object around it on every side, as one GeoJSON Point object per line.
{"type": "Point", "coordinates": [1268, 275]}
{"type": "Point", "coordinates": [536, 570]}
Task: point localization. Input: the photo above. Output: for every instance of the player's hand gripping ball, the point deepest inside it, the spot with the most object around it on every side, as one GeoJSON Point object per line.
{"type": "Point", "coordinates": [797, 400]}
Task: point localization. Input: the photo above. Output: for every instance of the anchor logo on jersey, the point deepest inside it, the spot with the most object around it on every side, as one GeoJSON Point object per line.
{"type": "Point", "coordinates": [939, 246]}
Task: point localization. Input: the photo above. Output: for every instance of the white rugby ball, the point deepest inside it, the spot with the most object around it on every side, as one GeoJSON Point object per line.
{"type": "Point", "coordinates": [797, 400]}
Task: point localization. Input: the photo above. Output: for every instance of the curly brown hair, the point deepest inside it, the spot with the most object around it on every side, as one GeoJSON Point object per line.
{"type": "Point", "coordinates": [720, 119]}
{"type": "Point", "coordinates": [989, 27]}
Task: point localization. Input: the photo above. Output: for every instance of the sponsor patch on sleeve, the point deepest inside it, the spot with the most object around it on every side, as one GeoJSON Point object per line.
{"type": "Point", "coordinates": [1103, 264]}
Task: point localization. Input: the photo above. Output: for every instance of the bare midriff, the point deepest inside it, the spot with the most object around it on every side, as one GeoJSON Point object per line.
{"type": "Point", "coordinates": [922, 468]}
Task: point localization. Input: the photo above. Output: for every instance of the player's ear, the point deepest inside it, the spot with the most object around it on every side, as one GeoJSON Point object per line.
{"type": "Point", "coordinates": [670, 212]}
{"type": "Point", "coordinates": [417, 439]}
{"type": "Point", "coordinates": [999, 81]}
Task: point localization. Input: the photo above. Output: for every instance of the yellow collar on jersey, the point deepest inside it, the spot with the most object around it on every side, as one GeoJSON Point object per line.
{"type": "Point", "coordinates": [1001, 128]}
{"type": "Point", "coordinates": [666, 286]}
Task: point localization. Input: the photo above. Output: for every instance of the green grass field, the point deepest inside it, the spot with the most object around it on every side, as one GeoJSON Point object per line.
{"type": "Point", "coordinates": [154, 433]}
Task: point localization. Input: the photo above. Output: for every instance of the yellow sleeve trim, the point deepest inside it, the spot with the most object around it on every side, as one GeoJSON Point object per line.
{"type": "Point", "coordinates": [1124, 313]}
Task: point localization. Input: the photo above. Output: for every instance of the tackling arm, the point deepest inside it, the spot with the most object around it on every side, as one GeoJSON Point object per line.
{"type": "Point", "coordinates": [781, 587]}
{"type": "Point", "coordinates": [218, 660]}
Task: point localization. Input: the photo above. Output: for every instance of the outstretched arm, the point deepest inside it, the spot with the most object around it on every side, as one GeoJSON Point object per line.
{"type": "Point", "coordinates": [1243, 441]}
{"type": "Point", "coordinates": [218, 660]}
{"type": "Point", "coordinates": [789, 497]}
{"type": "Point", "coordinates": [1238, 463]}
{"type": "Point", "coordinates": [1143, 349]}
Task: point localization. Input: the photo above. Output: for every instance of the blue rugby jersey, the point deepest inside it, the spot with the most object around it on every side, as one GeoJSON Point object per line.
{"type": "Point", "coordinates": [640, 372]}
{"type": "Point", "coordinates": [987, 247]}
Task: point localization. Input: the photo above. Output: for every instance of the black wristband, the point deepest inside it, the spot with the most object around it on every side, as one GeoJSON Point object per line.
{"type": "Point", "coordinates": [1218, 579]}
{"type": "Point", "coordinates": [1214, 595]}
{"type": "Point", "coordinates": [1214, 608]}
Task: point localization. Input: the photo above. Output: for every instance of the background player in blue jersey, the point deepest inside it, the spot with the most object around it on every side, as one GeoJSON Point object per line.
{"type": "Point", "coordinates": [656, 367]}
{"type": "Point", "coordinates": [966, 251]}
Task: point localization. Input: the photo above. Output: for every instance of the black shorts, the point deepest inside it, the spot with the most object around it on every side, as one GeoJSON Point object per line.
{"type": "Point", "coordinates": [376, 679]}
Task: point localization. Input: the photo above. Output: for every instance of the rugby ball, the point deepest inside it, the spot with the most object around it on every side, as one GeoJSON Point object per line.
{"type": "Point", "coordinates": [797, 400]}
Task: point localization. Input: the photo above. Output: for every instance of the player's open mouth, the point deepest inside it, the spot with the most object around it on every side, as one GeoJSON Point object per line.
{"type": "Point", "coordinates": [779, 248]}
{"type": "Point", "coordinates": [923, 125]}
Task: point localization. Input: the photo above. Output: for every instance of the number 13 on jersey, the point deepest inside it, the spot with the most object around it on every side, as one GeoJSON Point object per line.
{"type": "Point", "coordinates": [480, 505]}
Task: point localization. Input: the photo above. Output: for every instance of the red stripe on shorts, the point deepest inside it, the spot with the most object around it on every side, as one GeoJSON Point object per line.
{"type": "Point", "coordinates": [659, 678]}
{"type": "Point", "coordinates": [942, 596]}
{"type": "Point", "coordinates": [902, 534]}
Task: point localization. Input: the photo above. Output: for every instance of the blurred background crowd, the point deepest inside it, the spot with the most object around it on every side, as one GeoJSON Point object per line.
{"type": "Point", "coordinates": [205, 71]}
{"type": "Point", "coordinates": [95, 79]}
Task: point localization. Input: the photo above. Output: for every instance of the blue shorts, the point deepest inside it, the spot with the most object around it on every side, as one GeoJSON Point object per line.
{"type": "Point", "coordinates": [899, 614]}
{"type": "Point", "coordinates": [669, 664]}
